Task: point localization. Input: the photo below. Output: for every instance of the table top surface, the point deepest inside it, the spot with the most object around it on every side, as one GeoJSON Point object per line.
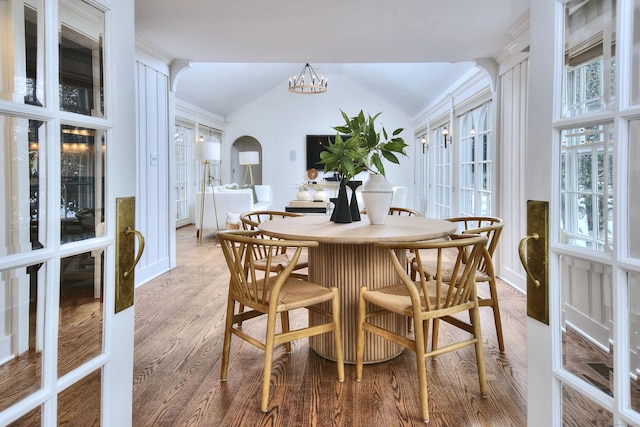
{"type": "Point", "coordinates": [321, 229]}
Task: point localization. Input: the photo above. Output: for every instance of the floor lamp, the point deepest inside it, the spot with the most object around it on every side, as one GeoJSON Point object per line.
{"type": "Point", "coordinates": [248, 158]}
{"type": "Point", "coordinates": [206, 152]}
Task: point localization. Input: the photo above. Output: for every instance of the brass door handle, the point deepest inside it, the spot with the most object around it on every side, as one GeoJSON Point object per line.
{"type": "Point", "coordinates": [127, 231]}
{"type": "Point", "coordinates": [522, 247]}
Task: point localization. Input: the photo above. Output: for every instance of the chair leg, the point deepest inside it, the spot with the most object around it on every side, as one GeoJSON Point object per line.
{"type": "Point", "coordinates": [240, 310]}
{"type": "Point", "coordinates": [474, 313]}
{"type": "Point", "coordinates": [284, 320]}
{"type": "Point", "coordinates": [420, 345]}
{"type": "Point", "coordinates": [362, 312]}
{"type": "Point", "coordinates": [434, 335]}
{"type": "Point", "coordinates": [425, 332]}
{"type": "Point", "coordinates": [268, 361]}
{"type": "Point", "coordinates": [496, 313]}
{"type": "Point", "coordinates": [226, 346]}
{"type": "Point", "coordinates": [335, 308]}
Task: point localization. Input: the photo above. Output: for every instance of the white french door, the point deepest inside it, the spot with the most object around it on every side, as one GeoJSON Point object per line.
{"type": "Point", "coordinates": [583, 157]}
{"type": "Point", "coordinates": [67, 132]}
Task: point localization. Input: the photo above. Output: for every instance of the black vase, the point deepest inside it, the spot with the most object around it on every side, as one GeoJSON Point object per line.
{"type": "Point", "coordinates": [353, 206]}
{"type": "Point", "coordinates": [333, 201]}
{"type": "Point", "coordinates": [342, 211]}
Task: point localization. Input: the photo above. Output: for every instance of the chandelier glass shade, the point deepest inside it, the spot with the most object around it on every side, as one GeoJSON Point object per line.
{"type": "Point", "coordinates": [308, 82]}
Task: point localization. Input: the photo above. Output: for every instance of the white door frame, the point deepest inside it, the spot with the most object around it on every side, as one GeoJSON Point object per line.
{"type": "Point", "coordinates": [116, 360]}
{"type": "Point", "coordinates": [546, 374]}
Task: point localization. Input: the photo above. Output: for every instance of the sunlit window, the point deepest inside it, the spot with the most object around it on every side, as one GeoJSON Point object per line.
{"type": "Point", "coordinates": [476, 162]}
{"type": "Point", "coordinates": [587, 187]}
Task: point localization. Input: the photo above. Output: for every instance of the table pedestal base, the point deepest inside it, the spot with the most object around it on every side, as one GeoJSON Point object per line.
{"type": "Point", "coordinates": [349, 267]}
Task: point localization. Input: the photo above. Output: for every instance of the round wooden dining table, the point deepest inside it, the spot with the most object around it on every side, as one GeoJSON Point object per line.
{"type": "Point", "coordinates": [347, 258]}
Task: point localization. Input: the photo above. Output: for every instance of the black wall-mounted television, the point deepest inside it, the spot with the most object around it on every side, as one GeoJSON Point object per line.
{"type": "Point", "coordinates": [315, 145]}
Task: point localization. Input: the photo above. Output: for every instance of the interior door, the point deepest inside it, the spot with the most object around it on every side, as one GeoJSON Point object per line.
{"type": "Point", "coordinates": [67, 133]}
{"type": "Point", "coordinates": [582, 157]}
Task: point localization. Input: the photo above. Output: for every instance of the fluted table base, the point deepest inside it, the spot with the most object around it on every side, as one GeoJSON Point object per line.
{"type": "Point", "coordinates": [350, 266]}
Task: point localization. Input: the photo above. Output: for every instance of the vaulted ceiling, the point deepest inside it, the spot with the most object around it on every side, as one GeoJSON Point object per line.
{"type": "Point", "coordinates": [407, 51]}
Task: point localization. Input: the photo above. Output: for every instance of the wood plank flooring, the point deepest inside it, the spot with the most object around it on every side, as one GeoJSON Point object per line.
{"type": "Point", "coordinates": [178, 345]}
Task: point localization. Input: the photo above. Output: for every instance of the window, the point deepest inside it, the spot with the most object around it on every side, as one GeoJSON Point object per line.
{"type": "Point", "coordinates": [181, 140]}
{"type": "Point", "coordinates": [442, 168]}
{"type": "Point", "coordinates": [476, 153]}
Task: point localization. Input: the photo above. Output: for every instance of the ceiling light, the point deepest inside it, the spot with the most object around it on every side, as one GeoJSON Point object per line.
{"type": "Point", "coordinates": [308, 82]}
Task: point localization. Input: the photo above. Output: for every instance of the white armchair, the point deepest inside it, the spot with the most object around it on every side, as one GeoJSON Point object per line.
{"type": "Point", "coordinates": [230, 199]}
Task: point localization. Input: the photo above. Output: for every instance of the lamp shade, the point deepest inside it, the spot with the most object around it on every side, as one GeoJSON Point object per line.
{"type": "Point", "coordinates": [249, 158]}
{"type": "Point", "coordinates": [206, 151]}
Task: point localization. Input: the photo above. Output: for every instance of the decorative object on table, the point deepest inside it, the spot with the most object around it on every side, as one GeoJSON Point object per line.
{"type": "Point", "coordinates": [303, 191]}
{"type": "Point", "coordinates": [308, 204]}
{"type": "Point", "coordinates": [364, 149]}
{"type": "Point", "coordinates": [353, 204]}
{"type": "Point", "coordinates": [342, 211]}
{"type": "Point", "coordinates": [331, 208]}
{"type": "Point", "coordinates": [248, 158]}
{"type": "Point", "coordinates": [319, 195]}
{"type": "Point", "coordinates": [312, 174]}
{"type": "Point", "coordinates": [206, 152]}
{"type": "Point", "coordinates": [308, 82]}
{"type": "Point", "coordinates": [377, 194]}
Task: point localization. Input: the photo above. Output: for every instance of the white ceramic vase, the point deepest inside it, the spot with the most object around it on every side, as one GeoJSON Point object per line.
{"type": "Point", "coordinates": [320, 196]}
{"type": "Point", "coordinates": [303, 195]}
{"type": "Point", "coordinates": [377, 194]}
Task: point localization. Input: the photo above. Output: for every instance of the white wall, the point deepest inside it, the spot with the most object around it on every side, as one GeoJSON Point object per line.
{"type": "Point", "coordinates": [513, 89]}
{"type": "Point", "coordinates": [280, 120]}
{"type": "Point", "coordinates": [154, 217]}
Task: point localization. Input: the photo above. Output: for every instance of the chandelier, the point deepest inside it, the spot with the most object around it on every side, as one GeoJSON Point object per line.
{"type": "Point", "coordinates": [307, 82]}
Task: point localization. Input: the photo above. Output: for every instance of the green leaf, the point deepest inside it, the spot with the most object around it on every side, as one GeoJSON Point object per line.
{"type": "Point", "coordinates": [377, 162]}
{"type": "Point", "coordinates": [391, 157]}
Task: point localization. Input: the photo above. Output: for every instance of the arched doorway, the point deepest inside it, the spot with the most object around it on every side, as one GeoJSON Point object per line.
{"type": "Point", "coordinates": [245, 144]}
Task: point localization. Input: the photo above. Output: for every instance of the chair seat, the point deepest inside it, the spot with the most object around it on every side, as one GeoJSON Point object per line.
{"type": "Point", "coordinates": [294, 293]}
{"type": "Point", "coordinates": [430, 269]}
{"type": "Point", "coordinates": [396, 299]}
{"type": "Point", "coordinates": [281, 261]}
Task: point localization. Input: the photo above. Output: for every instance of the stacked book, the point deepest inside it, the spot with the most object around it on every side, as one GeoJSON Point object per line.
{"type": "Point", "coordinates": [307, 204]}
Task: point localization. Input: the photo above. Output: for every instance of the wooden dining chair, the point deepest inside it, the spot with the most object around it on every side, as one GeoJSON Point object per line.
{"type": "Point", "coordinates": [269, 294]}
{"type": "Point", "coordinates": [395, 210]}
{"type": "Point", "coordinates": [492, 228]}
{"type": "Point", "coordinates": [425, 300]}
{"type": "Point", "coordinates": [251, 220]}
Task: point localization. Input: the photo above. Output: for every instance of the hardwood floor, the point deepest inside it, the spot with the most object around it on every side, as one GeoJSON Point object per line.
{"type": "Point", "coordinates": [178, 345]}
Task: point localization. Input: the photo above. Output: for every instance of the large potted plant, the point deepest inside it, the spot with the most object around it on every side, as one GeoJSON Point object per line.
{"type": "Point", "coordinates": [360, 147]}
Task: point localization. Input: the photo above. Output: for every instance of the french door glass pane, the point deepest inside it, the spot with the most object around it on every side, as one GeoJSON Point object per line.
{"type": "Point", "coordinates": [635, 55]}
{"type": "Point", "coordinates": [587, 321]}
{"type": "Point", "coordinates": [81, 58]}
{"type": "Point", "coordinates": [31, 419]}
{"type": "Point", "coordinates": [634, 340]}
{"type": "Point", "coordinates": [81, 310]}
{"type": "Point", "coordinates": [21, 328]}
{"type": "Point", "coordinates": [22, 70]}
{"type": "Point", "coordinates": [82, 183]}
{"type": "Point", "coordinates": [578, 411]}
{"type": "Point", "coordinates": [24, 199]}
{"type": "Point", "coordinates": [589, 56]}
{"type": "Point", "coordinates": [587, 187]}
{"type": "Point", "coordinates": [633, 195]}
{"type": "Point", "coordinates": [79, 404]}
